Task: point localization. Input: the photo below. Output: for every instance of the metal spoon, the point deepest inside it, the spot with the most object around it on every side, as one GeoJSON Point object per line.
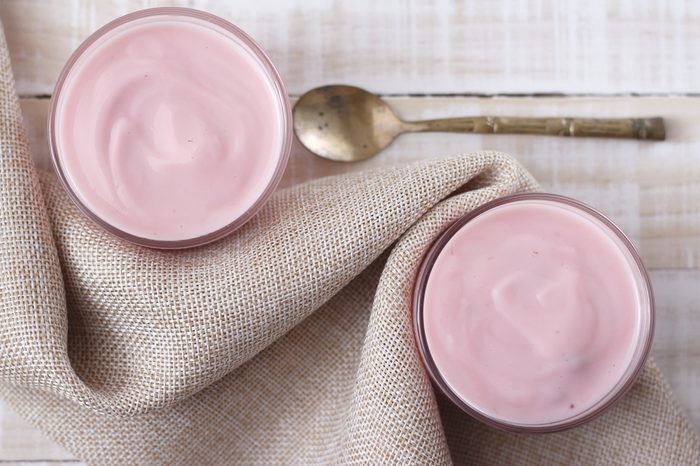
{"type": "Point", "coordinates": [347, 124]}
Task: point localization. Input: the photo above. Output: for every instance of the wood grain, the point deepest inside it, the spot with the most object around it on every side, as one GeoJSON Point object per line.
{"type": "Point", "coordinates": [677, 337]}
{"type": "Point", "coordinates": [21, 442]}
{"type": "Point", "coordinates": [413, 46]}
{"type": "Point", "coordinates": [650, 189]}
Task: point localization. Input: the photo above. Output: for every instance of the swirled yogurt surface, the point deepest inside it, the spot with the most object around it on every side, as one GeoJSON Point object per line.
{"type": "Point", "coordinates": [531, 312]}
{"type": "Point", "coordinates": [168, 128]}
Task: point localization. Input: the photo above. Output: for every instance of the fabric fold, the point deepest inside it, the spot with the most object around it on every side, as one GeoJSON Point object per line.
{"type": "Point", "coordinates": [148, 328]}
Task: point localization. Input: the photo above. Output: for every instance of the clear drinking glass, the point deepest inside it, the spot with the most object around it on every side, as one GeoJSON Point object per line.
{"type": "Point", "coordinates": [103, 34]}
{"type": "Point", "coordinates": [639, 353]}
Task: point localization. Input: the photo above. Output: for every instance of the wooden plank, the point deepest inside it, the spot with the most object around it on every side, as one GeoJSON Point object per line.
{"type": "Point", "coordinates": [413, 46]}
{"type": "Point", "coordinates": [651, 189]}
{"type": "Point", "coordinates": [677, 337]}
{"type": "Point", "coordinates": [20, 441]}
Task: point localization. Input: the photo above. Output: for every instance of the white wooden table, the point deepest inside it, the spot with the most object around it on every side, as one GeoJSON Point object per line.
{"type": "Point", "coordinates": [445, 58]}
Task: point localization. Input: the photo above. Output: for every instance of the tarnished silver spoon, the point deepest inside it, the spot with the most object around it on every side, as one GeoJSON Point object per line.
{"type": "Point", "coordinates": [348, 124]}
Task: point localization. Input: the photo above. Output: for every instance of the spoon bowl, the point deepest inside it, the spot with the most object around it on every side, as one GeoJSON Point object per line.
{"type": "Point", "coordinates": [344, 123]}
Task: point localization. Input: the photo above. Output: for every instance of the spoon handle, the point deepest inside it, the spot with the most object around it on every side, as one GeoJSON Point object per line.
{"type": "Point", "coordinates": [629, 128]}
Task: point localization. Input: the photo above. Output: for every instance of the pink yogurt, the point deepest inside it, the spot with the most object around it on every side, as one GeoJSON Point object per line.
{"type": "Point", "coordinates": [534, 310]}
{"type": "Point", "coordinates": [170, 126]}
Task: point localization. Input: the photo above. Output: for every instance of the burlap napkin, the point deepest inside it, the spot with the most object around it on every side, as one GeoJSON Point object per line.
{"type": "Point", "coordinates": [287, 342]}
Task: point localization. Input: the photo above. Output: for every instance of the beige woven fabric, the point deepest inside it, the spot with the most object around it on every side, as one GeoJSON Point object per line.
{"type": "Point", "coordinates": [288, 342]}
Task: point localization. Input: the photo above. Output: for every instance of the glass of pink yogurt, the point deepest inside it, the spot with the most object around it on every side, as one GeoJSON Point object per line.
{"type": "Point", "coordinates": [533, 313]}
{"type": "Point", "coordinates": [170, 127]}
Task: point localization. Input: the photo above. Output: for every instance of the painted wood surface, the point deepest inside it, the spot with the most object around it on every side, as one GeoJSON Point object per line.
{"type": "Point", "coordinates": [413, 46]}
{"type": "Point", "coordinates": [651, 189]}
{"type": "Point", "coordinates": [452, 50]}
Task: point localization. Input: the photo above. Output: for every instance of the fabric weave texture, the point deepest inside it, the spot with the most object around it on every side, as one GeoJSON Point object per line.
{"type": "Point", "coordinates": [288, 342]}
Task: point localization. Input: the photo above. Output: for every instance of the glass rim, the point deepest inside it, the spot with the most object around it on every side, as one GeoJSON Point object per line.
{"type": "Point", "coordinates": [640, 351]}
{"type": "Point", "coordinates": [275, 81]}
